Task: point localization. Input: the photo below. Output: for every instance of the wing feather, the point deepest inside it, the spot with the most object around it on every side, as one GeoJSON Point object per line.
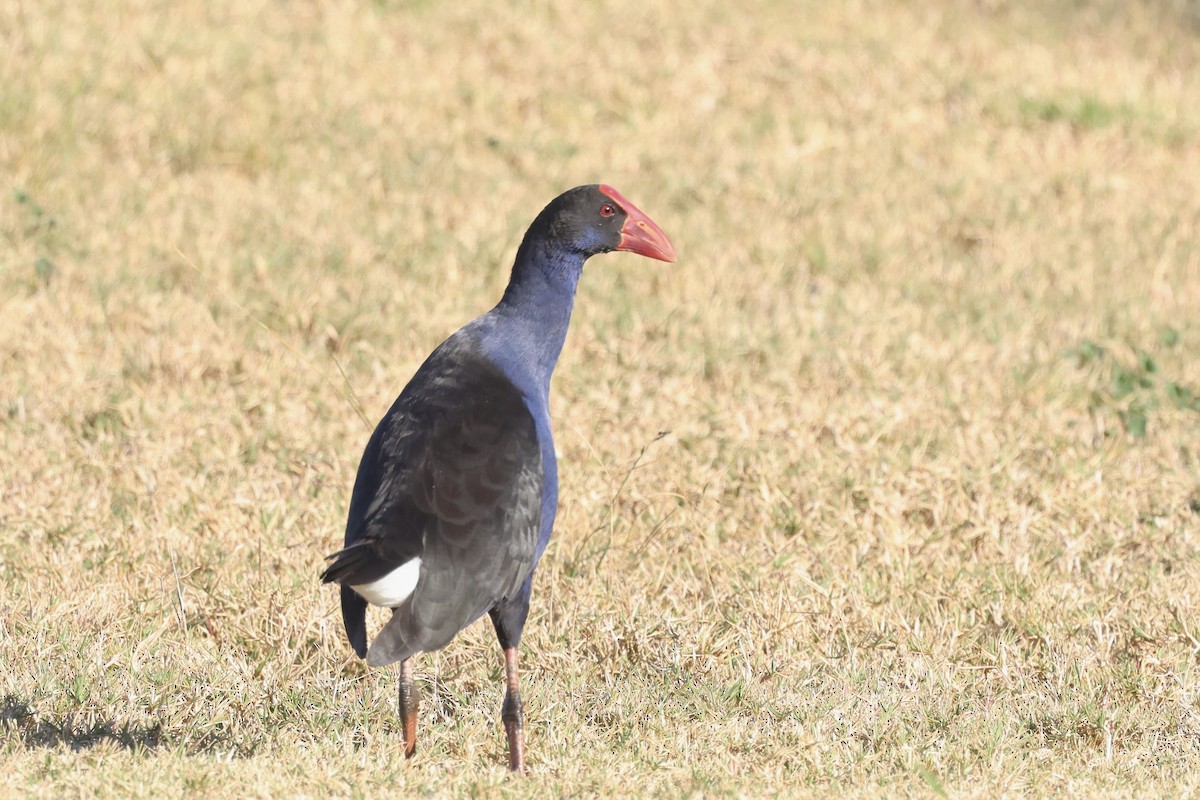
{"type": "Point", "coordinates": [452, 475]}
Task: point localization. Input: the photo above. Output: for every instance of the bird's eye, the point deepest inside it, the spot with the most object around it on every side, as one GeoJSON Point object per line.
{"type": "Point", "coordinates": [607, 210]}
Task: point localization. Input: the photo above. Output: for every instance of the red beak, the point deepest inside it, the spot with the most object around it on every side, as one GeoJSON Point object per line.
{"type": "Point", "coordinates": [639, 234]}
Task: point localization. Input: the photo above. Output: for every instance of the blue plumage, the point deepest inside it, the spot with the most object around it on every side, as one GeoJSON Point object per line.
{"type": "Point", "coordinates": [457, 491]}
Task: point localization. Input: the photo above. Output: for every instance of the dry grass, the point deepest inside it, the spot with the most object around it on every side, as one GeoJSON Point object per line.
{"type": "Point", "coordinates": [927, 518]}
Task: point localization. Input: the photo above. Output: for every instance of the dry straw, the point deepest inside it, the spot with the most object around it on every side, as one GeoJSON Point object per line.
{"type": "Point", "coordinates": [927, 517]}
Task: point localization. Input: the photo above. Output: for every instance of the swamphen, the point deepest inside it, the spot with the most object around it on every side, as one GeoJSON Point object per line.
{"type": "Point", "coordinates": [458, 487]}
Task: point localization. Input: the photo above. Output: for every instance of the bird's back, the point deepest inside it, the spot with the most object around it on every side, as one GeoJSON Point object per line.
{"type": "Point", "coordinates": [452, 476]}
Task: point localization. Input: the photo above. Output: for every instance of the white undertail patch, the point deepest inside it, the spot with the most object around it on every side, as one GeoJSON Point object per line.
{"type": "Point", "coordinates": [394, 588]}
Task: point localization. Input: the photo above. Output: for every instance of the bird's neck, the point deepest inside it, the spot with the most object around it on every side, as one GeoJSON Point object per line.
{"type": "Point", "coordinates": [538, 304]}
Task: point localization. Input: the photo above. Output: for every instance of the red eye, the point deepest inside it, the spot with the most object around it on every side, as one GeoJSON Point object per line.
{"type": "Point", "coordinates": [607, 210]}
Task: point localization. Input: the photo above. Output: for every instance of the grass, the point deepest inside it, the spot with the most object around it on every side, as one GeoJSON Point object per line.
{"type": "Point", "coordinates": [927, 516]}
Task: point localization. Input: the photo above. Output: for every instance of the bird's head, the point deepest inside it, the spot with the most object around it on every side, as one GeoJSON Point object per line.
{"type": "Point", "coordinates": [598, 219]}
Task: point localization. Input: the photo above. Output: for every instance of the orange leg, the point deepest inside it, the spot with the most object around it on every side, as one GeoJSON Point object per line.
{"type": "Point", "coordinates": [513, 713]}
{"type": "Point", "coordinates": [409, 701]}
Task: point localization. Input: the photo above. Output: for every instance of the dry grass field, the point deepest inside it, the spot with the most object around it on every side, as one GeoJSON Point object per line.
{"type": "Point", "coordinates": [891, 486]}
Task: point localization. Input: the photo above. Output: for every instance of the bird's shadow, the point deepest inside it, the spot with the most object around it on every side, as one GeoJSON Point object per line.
{"type": "Point", "coordinates": [19, 720]}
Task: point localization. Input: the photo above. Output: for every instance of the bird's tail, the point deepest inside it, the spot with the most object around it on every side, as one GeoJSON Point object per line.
{"type": "Point", "coordinates": [346, 562]}
{"type": "Point", "coordinates": [354, 608]}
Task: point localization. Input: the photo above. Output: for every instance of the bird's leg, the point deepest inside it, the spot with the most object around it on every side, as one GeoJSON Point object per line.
{"type": "Point", "coordinates": [409, 701]}
{"type": "Point", "coordinates": [513, 712]}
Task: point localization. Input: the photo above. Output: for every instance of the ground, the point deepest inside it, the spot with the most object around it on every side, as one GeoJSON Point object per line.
{"type": "Point", "coordinates": [890, 486]}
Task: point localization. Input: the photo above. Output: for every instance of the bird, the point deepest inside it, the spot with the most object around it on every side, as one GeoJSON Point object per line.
{"type": "Point", "coordinates": [455, 496]}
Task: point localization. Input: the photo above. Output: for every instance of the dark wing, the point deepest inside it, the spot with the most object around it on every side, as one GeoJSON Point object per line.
{"type": "Point", "coordinates": [453, 476]}
{"type": "Point", "coordinates": [376, 507]}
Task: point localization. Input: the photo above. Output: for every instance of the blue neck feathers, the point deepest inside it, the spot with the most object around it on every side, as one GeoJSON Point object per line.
{"type": "Point", "coordinates": [535, 311]}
